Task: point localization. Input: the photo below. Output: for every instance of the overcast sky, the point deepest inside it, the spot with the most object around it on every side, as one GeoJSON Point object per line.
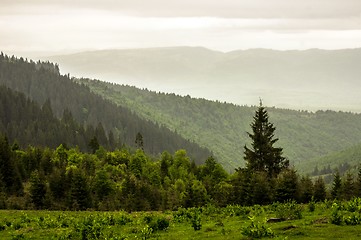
{"type": "Point", "coordinates": [56, 26]}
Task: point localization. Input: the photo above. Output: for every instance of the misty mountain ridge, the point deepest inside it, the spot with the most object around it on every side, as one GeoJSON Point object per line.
{"type": "Point", "coordinates": [296, 79]}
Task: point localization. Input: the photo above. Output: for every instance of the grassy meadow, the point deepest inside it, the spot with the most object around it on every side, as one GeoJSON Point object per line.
{"type": "Point", "coordinates": [326, 220]}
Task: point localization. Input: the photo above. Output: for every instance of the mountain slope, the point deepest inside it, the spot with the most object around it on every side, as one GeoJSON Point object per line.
{"type": "Point", "coordinates": [41, 82]}
{"type": "Point", "coordinates": [222, 127]}
{"type": "Point", "coordinates": [350, 156]}
{"type": "Point", "coordinates": [23, 121]}
{"type": "Point", "coordinates": [312, 79]}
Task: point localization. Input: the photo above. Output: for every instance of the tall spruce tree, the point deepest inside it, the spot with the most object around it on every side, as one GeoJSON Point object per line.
{"type": "Point", "coordinates": [336, 186]}
{"type": "Point", "coordinates": [264, 156]}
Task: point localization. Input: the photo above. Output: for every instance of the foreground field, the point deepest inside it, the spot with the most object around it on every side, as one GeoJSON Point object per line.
{"type": "Point", "coordinates": [328, 220]}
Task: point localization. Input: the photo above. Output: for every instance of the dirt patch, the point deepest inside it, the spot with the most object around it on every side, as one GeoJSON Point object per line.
{"type": "Point", "coordinates": [323, 220]}
{"type": "Point", "coordinates": [289, 227]}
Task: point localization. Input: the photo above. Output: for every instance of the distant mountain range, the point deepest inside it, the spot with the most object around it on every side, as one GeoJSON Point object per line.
{"type": "Point", "coordinates": [311, 79]}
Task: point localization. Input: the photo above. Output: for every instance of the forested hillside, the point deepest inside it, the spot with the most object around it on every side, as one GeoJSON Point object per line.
{"type": "Point", "coordinates": [344, 160]}
{"type": "Point", "coordinates": [222, 127]}
{"type": "Point", "coordinates": [42, 83]}
{"type": "Point", "coordinates": [64, 178]}
{"type": "Point", "coordinates": [23, 121]}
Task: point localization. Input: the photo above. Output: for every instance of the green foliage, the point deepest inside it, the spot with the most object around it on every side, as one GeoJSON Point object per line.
{"type": "Point", "coordinates": [196, 219]}
{"type": "Point", "coordinates": [288, 211]}
{"type": "Point", "coordinates": [336, 216]}
{"type": "Point", "coordinates": [257, 230]}
{"type": "Point", "coordinates": [336, 186]}
{"type": "Point", "coordinates": [319, 190]}
{"type": "Point", "coordinates": [287, 185]}
{"type": "Point", "coordinates": [37, 190]}
{"type": "Point", "coordinates": [312, 206]}
{"type": "Point", "coordinates": [236, 210]}
{"type": "Point", "coordinates": [157, 223]}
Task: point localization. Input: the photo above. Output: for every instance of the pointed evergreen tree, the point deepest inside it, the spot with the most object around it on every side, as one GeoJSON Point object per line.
{"type": "Point", "coordinates": [37, 190]}
{"type": "Point", "coordinates": [264, 156]}
{"type": "Point", "coordinates": [306, 189]}
{"type": "Point", "coordinates": [94, 144]}
{"type": "Point", "coordinates": [139, 141]}
{"type": "Point", "coordinates": [319, 194]}
{"type": "Point", "coordinates": [348, 188]}
{"type": "Point", "coordinates": [358, 183]}
{"type": "Point", "coordinates": [336, 186]}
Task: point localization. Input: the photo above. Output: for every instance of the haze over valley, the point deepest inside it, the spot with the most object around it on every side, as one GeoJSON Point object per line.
{"type": "Point", "coordinates": [310, 79]}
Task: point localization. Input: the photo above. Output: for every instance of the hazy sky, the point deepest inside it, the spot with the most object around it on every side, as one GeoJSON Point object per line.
{"type": "Point", "coordinates": [75, 25]}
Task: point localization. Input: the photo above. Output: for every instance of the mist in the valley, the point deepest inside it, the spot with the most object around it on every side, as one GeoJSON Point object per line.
{"type": "Point", "coordinates": [301, 79]}
{"type": "Point", "coordinates": [309, 80]}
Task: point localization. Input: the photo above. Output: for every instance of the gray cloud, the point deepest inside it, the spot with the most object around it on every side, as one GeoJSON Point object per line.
{"type": "Point", "coordinates": [212, 8]}
{"type": "Point", "coordinates": [48, 25]}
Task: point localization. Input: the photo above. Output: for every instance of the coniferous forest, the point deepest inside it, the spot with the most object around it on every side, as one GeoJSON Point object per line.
{"type": "Point", "coordinates": [95, 155]}
{"type": "Point", "coordinates": [66, 149]}
{"type": "Point", "coordinates": [85, 115]}
{"type": "Point", "coordinates": [64, 178]}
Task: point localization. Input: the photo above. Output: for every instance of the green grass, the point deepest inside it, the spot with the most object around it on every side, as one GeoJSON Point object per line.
{"type": "Point", "coordinates": [216, 223]}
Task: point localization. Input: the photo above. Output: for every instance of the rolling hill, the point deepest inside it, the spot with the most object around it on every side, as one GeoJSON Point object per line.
{"type": "Point", "coordinates": [222, 127]}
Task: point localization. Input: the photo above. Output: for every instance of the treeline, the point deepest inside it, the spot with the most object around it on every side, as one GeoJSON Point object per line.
{"type": "Point", "coordinates": [67, 179]}
{"type": "Point", "coordinates": [42, 83]}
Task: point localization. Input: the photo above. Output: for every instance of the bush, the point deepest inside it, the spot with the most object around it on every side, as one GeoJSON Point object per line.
{"type": "Point", "coordinates": [353, 219]}
{"type": "Point", "coordinates": [182, 215]}
{"type": "Point", "coordinates": [156, 223]}
{"type": "Point", "coordinates": [336, 216]}
{"type": "Point", "coordinates": [311, 206]}
{"type": "Point", "coordinates": [196, 220]}
{"type": "Point", "coordinates": [288, 210]}
{"type": "Point", "coordinates": [236, 210]}
{"type": "Point", "coordinates": [353, 205]}
{"type": "Point", "coordinates": [257, 230]}
{"type": "Point", "coordinates": [162, 223]}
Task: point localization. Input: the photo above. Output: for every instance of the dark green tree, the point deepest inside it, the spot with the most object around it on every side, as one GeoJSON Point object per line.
{"type": "Point", "coordinates": [319, 189]}
{"type": "Point", "coordinates": [102, 185]}
{"type": "Point", "coordinates": [79, 191]}
{"type": "Point", "coordinates": [260, 189]}
{"type": "Point", "coordinates": [9, 175]}
{"type": "Point", "coordinates": [139, 141]}
{"type": "Point", "coordinates": [37, 190]}
{"type": "Point", "coordinates": [348, 188]}
{"type": "Point", "coordinates": [358, 183]}
{"type": "Point", "coordinates": [336, 186]}
{"type": "Point", "coordinates": [94, 144]}
{"type": "Point", "coordinates": [264, 156]}
{"type": "Point", "coordinates": [287, 186]}
{"type": "Point", "coordinates": [306, 189]}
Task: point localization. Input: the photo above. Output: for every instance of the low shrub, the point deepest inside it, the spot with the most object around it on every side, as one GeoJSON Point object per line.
{"type": "Point", "coordinates": [288, 210]}
{"type": "Point", "coordinates": [257, 230]}
{"type": "Point", "coordinates": [196, 219]}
